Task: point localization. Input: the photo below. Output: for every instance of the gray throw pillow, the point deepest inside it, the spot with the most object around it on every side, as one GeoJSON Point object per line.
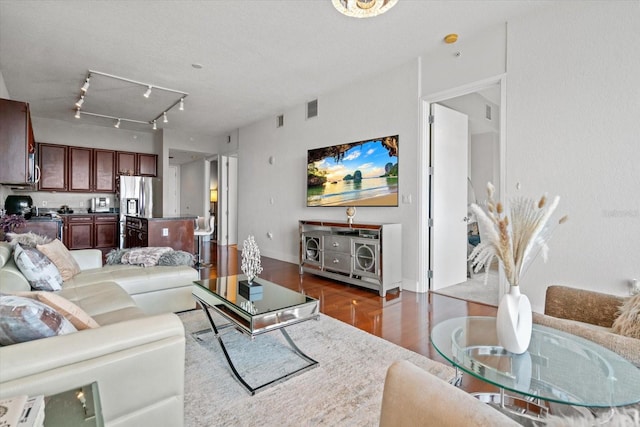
{"type": "Point", "coordinates": [115, 256]}
{"type": "Point", "coordinates": [174, 258]}
{"type": "Point", "coordinates": [27, 240]}
{"type": "Point", "coordinates": [24, 319]}
{"type": "Point", "coordinates": [40, 272]}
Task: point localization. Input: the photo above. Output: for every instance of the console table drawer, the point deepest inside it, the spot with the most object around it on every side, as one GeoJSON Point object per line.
{"type": "Point", "coordinates": [337, 244]}
{"type": "Point", "coordinates": [337, 261]}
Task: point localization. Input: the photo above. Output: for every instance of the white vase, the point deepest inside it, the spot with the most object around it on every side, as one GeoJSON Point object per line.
{"type": "Point", "coordinates": [514, 321]}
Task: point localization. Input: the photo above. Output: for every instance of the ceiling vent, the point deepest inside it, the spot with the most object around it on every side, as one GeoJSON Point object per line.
{"type": "Point", "coordinates": [312, 109]}
{"type": "Point", "coordinates": [280, 121]}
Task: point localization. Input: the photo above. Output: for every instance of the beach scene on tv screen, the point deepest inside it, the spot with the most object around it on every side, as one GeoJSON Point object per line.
{"type": "Point", "coordinates": [363, 173]}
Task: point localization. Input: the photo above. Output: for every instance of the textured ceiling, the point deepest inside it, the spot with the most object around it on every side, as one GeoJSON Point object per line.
{"type": "Point", "coordinates": [258, 57]}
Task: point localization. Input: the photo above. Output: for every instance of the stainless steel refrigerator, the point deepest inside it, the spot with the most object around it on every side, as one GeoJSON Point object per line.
{"type": "Point", "coordinates": [136, 198]}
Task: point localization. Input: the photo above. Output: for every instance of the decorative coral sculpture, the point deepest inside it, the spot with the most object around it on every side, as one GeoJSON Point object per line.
{"type": "Point", "coordinates": [251, 265]}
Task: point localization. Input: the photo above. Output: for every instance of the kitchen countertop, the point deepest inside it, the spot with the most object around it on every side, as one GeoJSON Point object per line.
{"type": "Point", "coordinates": [167, 218]}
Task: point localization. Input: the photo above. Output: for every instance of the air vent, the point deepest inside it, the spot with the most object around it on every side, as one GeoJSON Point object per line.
{"type": "Point", "coordinates": [487, 112]}
{"type": "Point", "coordinates": [312, 109]}
{"type": "Point", "coordinates": [280, 121]}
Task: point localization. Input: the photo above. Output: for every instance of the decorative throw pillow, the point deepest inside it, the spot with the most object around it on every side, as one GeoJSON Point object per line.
{"type": "Point", "coordinates": [174, 258]}
{"type": "Point", "coordinates": [39, 271]}
{"type": "Point", "coordinates": [27, 240]}
{"type": "Point", "coordinates": [146, 257]}
{"type": "Point", "coordinates": [628, 322]}
{"type": "Point", "coordinates": [61, 257]}
{"type": "Point", "coordinates": [115, 256]}
{"type": "Point", "coordinates": [74, 314]}
{"type": "Point", "coordinates": [23, 319]}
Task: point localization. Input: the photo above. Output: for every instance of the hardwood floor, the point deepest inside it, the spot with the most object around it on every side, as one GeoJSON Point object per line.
{"type": "Point", "coordinates": [403, 318]}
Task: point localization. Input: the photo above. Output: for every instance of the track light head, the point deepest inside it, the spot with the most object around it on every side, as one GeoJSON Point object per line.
{"type": "Point", "coordinates": [148, 92]}
{"type": "Point", "coordinates": [155, 125]}
{"type": "Point", "coordinates": [80, 101]}
{"type": "Point", "coordinates": [165, 120]}
{"type": "Point", "coordinates": [181, 104]}
{"type": "Point", "coordinates": [77, 116]}
{"type": "Point", "coordinates": [85, 86]}
{"type": "Point", "coordinates": [117, 125]}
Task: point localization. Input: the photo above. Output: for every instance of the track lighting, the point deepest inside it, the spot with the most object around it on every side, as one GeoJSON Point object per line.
{"type": "Point", "coordinates": [85, 86]}
{"type": "Point", "coordinates": [116, 121]}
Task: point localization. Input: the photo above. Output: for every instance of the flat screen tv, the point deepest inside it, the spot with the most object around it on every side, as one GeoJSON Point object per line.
{"type": "Point", "coordinates": [363, 173]}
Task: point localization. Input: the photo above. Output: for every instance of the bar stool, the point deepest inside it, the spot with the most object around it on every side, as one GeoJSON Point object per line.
{"type": "Point", "coordinates": [200, 233]}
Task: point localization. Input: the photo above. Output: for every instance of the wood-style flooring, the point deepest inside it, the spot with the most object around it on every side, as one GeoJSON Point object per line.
{"type": "Point", "coordinates": [403, 318]}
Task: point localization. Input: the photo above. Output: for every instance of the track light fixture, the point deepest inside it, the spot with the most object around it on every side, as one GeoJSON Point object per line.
{"type": "Point", "coordinates": [85, 86]}
{"type": "Point", "coordinates": [92, 74]}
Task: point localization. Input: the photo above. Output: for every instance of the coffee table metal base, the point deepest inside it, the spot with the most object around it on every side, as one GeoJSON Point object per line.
{"type": "Point", "coordinates": [311, 363]}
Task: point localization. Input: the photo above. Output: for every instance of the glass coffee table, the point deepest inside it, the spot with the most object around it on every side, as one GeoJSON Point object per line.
{"type": "Point", "coordinates": [262, 308]}
{"type": "Point", "coordinates": [557, 367]}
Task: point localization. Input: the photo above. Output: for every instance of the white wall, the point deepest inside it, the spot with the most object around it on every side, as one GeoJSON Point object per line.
{"type": "Point", "coordinates": [572, 129]}
{"type": "Point", "coordinates": [194, 188]}
{"type": "Point", "coordinates": [374, 106]}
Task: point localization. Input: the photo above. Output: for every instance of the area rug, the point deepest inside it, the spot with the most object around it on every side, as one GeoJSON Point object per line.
{"type": "Point", "coordinates": [345, 389]}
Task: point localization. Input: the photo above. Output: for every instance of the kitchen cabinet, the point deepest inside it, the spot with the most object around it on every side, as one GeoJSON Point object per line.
{"type": "Point", "coordinates": [76, 169]}
{"type": "Point", "coordinates": [176, 232]}
{"type": "Point", "coordinates": [91, 231]}
{"type": "Point", "coordinates": [80, 169]}
{"type": "Point", "coordinates": [104, 171]}
{"type": "Point", "coordinates": [139, 164]}
{"type": "Point", "coordinates": [17, 162]}
{"type": "Point", "coordinates": [53, 165]}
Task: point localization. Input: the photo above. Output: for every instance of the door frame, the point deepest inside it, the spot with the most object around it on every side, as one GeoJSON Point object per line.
{"type": "Point", "coordinates": [424, 158]}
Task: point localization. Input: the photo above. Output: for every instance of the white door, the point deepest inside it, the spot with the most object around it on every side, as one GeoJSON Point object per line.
{"type": "Point", "coordinates": [448, 197]}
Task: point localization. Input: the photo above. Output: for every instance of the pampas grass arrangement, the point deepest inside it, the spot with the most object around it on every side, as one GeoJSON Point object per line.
{"type": "Point", "coordinates": [513, 238]}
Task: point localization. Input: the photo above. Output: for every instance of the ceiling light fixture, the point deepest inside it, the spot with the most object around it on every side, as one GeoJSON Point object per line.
{"type": "Point", "coordinates": [363, 8]}
{"type": "Point", "coordinates": [153, 122]}
{"type": "Point", "coordinates": [85, 86]}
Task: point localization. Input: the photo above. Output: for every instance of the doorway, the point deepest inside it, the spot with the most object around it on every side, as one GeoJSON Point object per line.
{"type": "Point", "coordinates": [485, 151]}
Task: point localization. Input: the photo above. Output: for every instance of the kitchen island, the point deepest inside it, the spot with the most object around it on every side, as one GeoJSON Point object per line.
{"type": "Point", "coordinates": [175, 232]}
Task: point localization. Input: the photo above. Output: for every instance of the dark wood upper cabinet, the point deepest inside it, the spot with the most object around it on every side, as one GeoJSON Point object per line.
{"type": "Point", "coordinates": [104, 171]}
{"type": "Point", "coordinates": [139, 164]}
{"type": "Point", "coordinates": [147, 164]}
{"type": "Point", "coordinates": [80, 169]}
{"type": "Point", "coordinates": [126, 163]}
{"type": "Point", "coordinates": [17, 162]}
{"type": "Point", "coordinates": [53, 167]}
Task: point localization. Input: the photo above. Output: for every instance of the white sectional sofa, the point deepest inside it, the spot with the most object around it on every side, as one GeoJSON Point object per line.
{"type": "Point", "coordinates": [136, 355]}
